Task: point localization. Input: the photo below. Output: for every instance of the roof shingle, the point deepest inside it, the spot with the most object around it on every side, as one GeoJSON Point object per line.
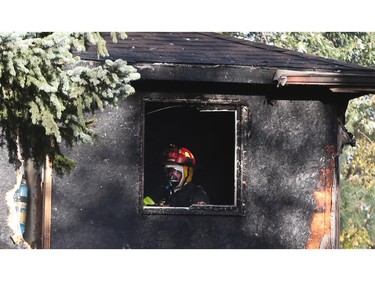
{"type": "Point", "coordinates": [212, 49]}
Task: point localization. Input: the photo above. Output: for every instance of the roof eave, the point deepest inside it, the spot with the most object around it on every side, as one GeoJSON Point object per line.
{"type": "Point", "coordinates": [356, 83]}
{"type": "Point", "coordinates": [339, 82]}
{"type": "Point", "coordinates": [206, 73]}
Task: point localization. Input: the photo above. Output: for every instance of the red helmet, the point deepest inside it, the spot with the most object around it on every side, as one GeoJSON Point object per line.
{"type": "Point", "coordinates": [181, 156]}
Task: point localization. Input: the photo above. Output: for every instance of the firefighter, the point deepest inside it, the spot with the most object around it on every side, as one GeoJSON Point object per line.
{"type": "Point", "coordinates": [179, 190]}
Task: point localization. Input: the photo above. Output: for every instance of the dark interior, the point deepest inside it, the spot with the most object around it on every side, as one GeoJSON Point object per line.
{"type": "Point", "coordinates": [209, 135]}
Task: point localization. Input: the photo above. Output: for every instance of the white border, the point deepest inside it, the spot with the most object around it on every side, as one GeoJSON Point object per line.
{"type": "Point", "coordinates": [194, 15]}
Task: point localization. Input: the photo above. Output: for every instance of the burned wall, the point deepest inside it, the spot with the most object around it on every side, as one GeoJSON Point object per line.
{"type": "Point", "coordinates": [7, 182]}
{"type": "Point", "coordinates": [97, 206]}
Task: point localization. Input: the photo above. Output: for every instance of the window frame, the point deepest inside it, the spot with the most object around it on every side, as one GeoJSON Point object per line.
{"type": "Point", "coordinates": [242, 124]}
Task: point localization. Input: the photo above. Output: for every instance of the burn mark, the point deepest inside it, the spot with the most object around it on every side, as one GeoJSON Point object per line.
{"type": "Point", "coordinates": [320, 225]}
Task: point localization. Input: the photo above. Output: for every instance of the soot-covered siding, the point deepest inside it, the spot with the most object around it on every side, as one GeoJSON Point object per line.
{"type": "Point", "coordinates": [97, 206]}
{"type": "Point", "coordinates": [7, 182]}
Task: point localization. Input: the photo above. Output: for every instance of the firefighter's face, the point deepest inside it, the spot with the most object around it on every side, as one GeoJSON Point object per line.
{"type": "Point", "coordinates": [173, 174]}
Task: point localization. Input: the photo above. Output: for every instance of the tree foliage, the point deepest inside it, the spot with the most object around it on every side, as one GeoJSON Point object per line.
{"type": "Point", "coordinates": [353, 47]}
{"type": "Point", "coordinates": [46, 92]}
{"type": "Point", "coordinates": [357, 163]}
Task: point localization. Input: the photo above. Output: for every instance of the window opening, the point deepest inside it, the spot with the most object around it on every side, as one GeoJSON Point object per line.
{"type": "Point", "coordinates": [210, 131]}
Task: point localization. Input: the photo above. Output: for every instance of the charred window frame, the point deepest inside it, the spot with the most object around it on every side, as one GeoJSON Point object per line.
{"type": "Point", "coordinates": [215, 130]}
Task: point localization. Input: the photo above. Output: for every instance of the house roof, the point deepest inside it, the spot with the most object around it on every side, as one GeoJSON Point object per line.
{"type": "Point", "coordinates": [213, 49]}
{"type": "Point", "coordinates": [220, 58]}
